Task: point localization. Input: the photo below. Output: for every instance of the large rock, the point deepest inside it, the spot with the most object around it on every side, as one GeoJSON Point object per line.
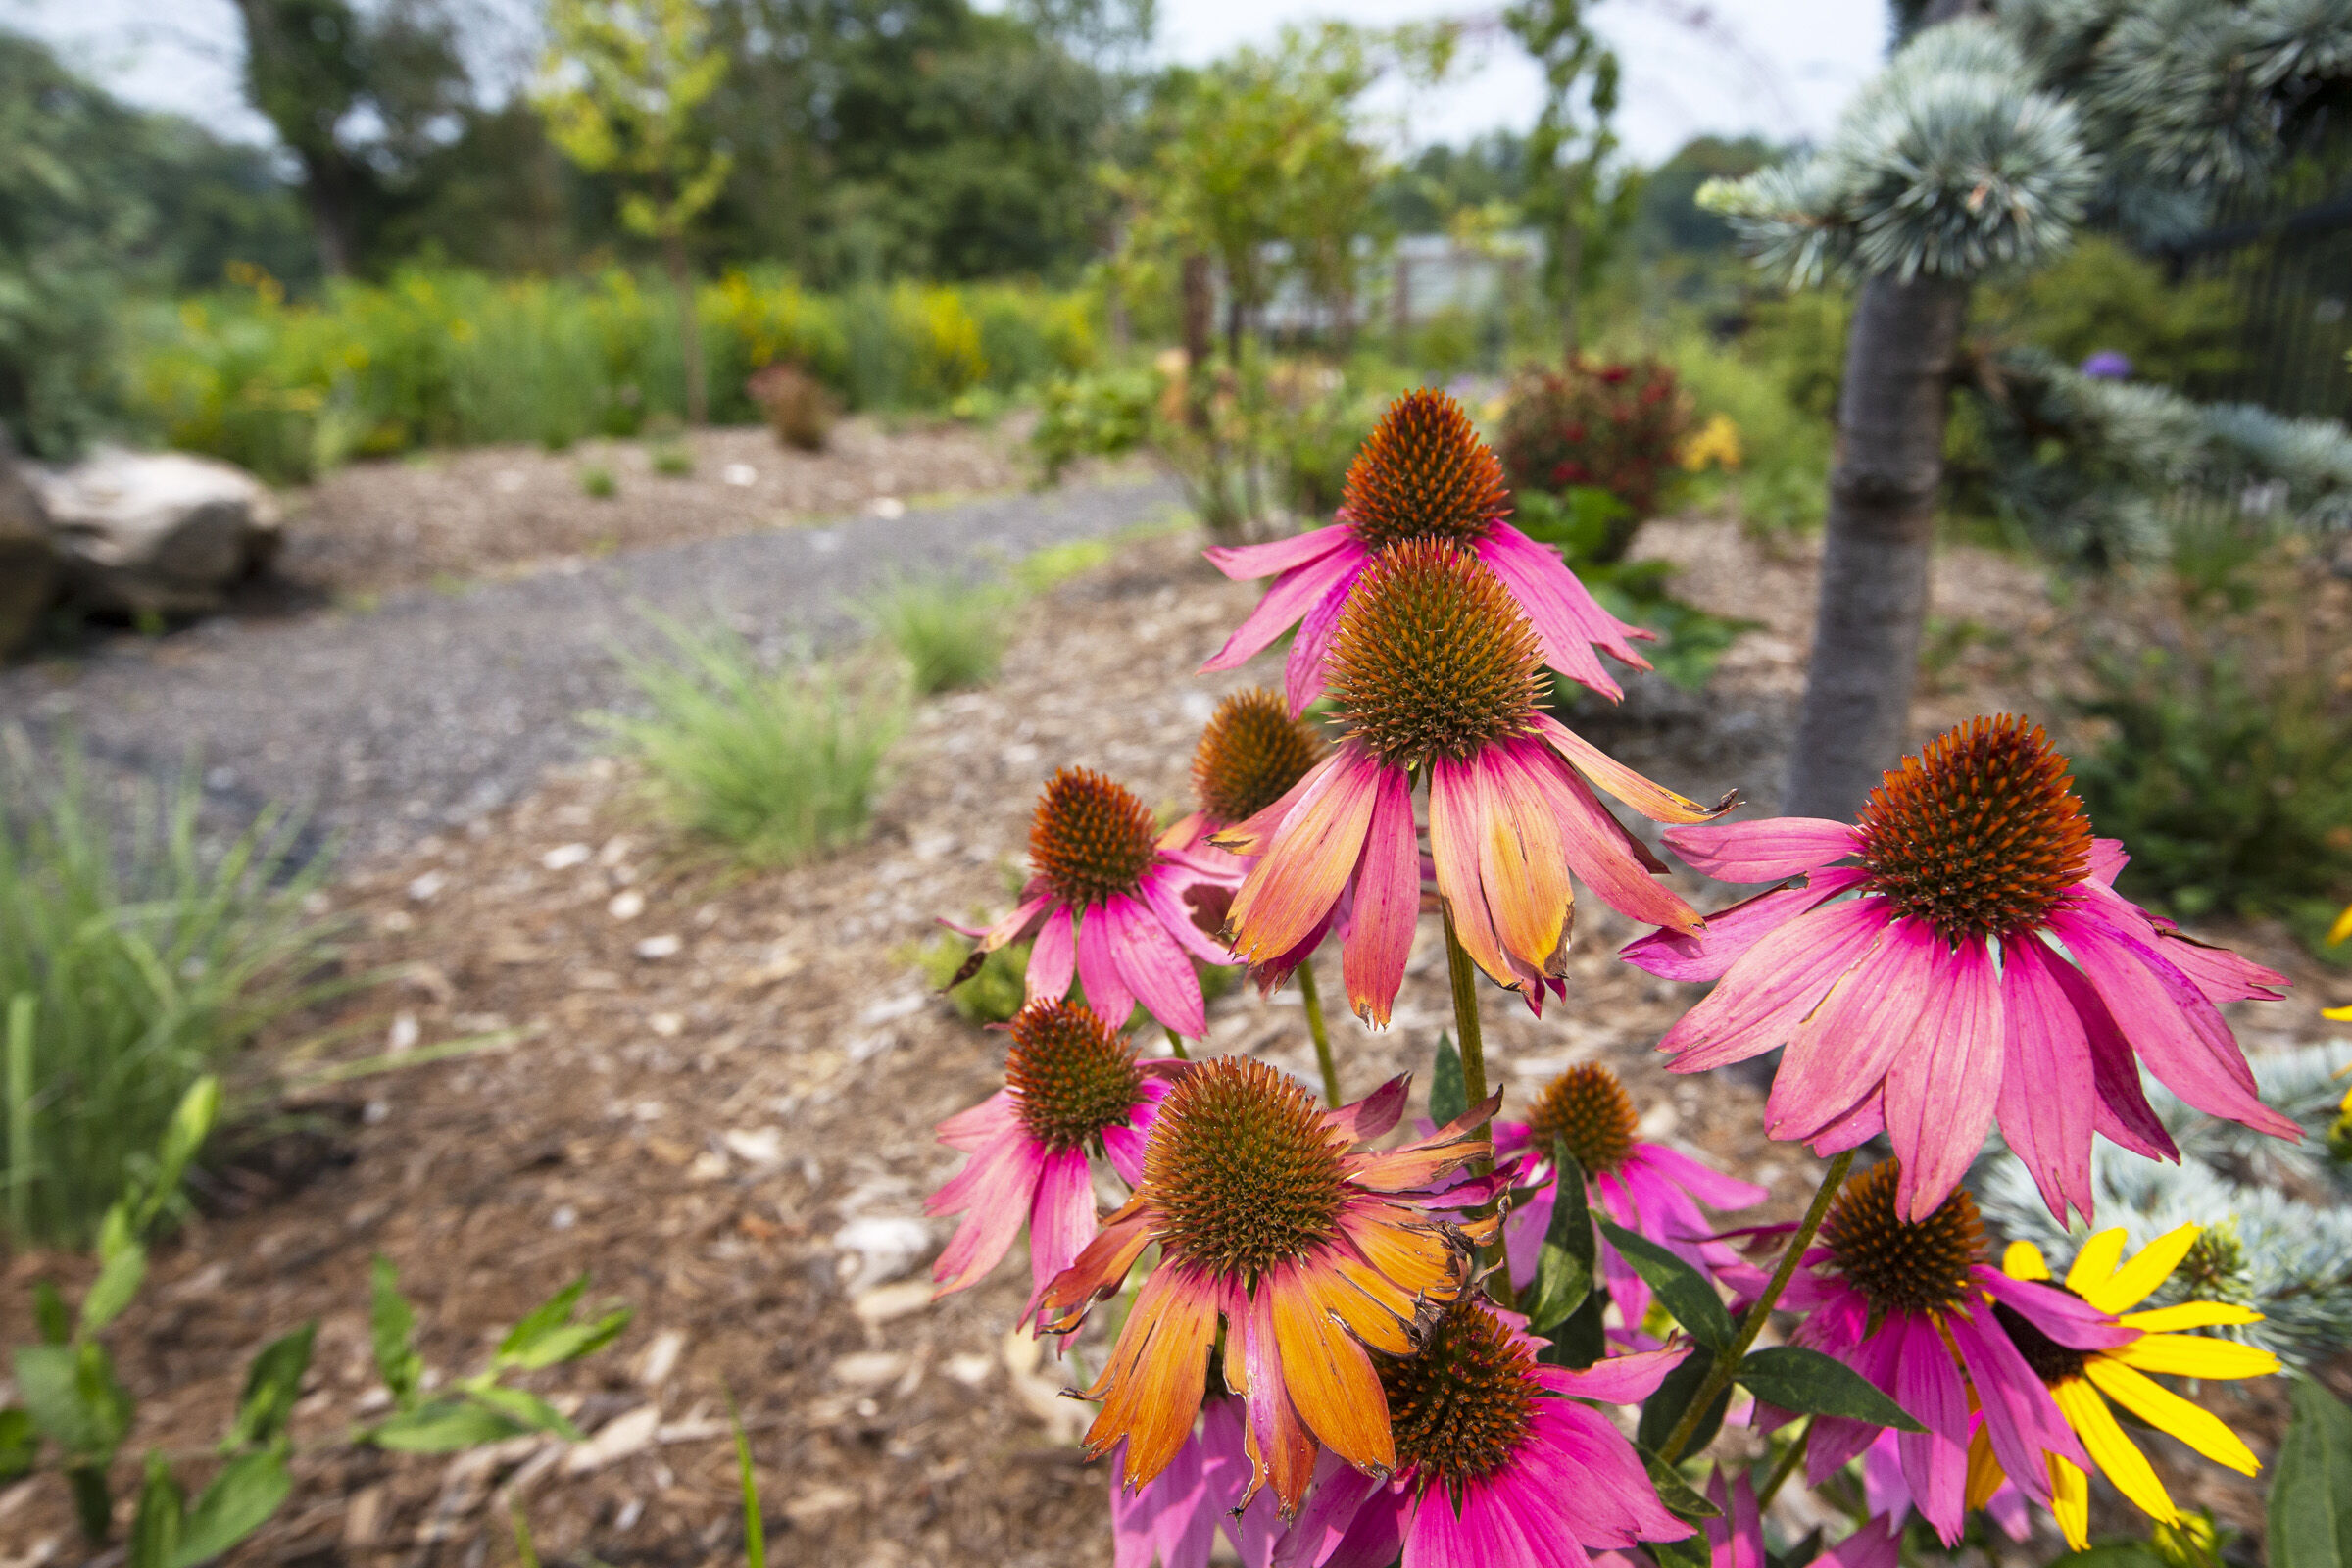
{"type": "Point", "coordinates": [27, 559]}
{"type": "Point", "coordinates": [156, 533]}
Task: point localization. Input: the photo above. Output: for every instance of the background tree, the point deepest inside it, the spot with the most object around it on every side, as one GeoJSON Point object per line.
{"type": "Point", "coordinates": [1568, 150]}
{"type": "Point", "coordinates": [621, 88]}
{"type": "Point", "coordinates": [1984, 146]}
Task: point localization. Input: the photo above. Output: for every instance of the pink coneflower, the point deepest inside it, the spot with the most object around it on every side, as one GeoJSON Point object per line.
{"type": "Point", "coordinates": [1176, 1515]}
{"type": "Point", "coordinates": [1908, 1304]}
{"type": "Point", "coordinates": [1434, 674]}
{"type": "Point", "coordinates": [1107, 904]}
{"type": "Point", "coordinates": [1303, 1255]}
{"type": "Point", "coordinates": [1987, 970]}
{"type": "Point", "coordinates": [1497, 1462]}
{"type": "Point", "coordinates": [1887, 1496]}
{"type": "Point", "coordinates": [1072, 1087]}
{"type": "Point", "coordinates": [1646, 1188]}
{"type": "Point", "coordinates": [1422, 475]}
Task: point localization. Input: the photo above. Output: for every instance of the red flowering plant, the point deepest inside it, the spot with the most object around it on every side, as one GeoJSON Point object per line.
{"type": "Point", "coordinates": [1346, 1344]}
{"type": "Point", "coordinates": [1598, 425]}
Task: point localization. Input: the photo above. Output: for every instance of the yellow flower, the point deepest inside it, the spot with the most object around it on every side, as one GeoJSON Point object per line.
{"type": "Point", "coordinates": [2337, 933]}
{"type": "Point", "coordinates": [2087, 1379]}
{"type": "Point", "coordinates": [1717, 442]}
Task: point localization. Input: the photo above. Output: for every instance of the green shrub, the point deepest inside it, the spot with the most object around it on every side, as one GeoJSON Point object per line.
{"type": "Point", "coordinates": [2101, 296]}
{"type": "Point", "coordinates": [673, 459]}
{"type": "Point", "coordinates": [1615, 427]}
{"type": "Point", "coordinates": [1103, 416]}
{"type": "Point", "coordinates": [776, 767]}
{"type": "Point", "coordinates": [950, 633]}
{"type": "Point", "coordinates": [149, 963]}
{"type": "Point", "coordinates": [1782, 477]}
{"type": "Point", "coordinates": [997, 989]}
{"type": "Point", "coordinates": [597, 482]}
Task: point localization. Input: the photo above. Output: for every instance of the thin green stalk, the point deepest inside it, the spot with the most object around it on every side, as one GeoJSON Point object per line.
{"type": "Point", "coordinates": [1322, 1036]}
{"type": "Point", "coordinates": [1727, 1361]}
{"type": "Point", "coordinates": [1176, 1043]}
{"type": "Point", "coordinates": [1467, 1037]}
{"type": "Point", "coordinates": [20, 1116]}
{"type": "Point", "coordinates": [1786, 1466]}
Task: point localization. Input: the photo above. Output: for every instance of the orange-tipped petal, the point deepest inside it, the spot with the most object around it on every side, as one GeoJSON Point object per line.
{"type": "Point", "coordinates": [1331, 1379]}
{"type": "Point", "coordinates": [1150, 1389]}
{"type": "Point", "coordinates": [1455, 845]}
{"type": "Point", "coordinates": [1652, 800]}
{"type": "Point", "coordinates": [1280, 1446]}
{"type": "Point", "coordinates": [1098, 1271]}
{"type": "Point", "coordinates": [1521, 863]}
{"type": "Point", "coordinates": [1255, 835]}
{"type": "Point", "coordinates": [1290, 891]}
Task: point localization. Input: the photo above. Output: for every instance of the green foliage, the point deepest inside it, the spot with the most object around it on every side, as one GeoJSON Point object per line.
{"type": "Point", "coordinates": [775, 768]}
{"type": "Point", "coordinates": [1103, 416]}
{"type": "Point", "coordinates": [673, 459]}
{"type": "Point", "coordinates": [1565, 1267]}
{"type": "Point", "coordinates": [1616, 428]}
{"type": "Point", "coordinates": [136, 966]}
{"type": "Point", "coordinates": [621, 89]}
{"type": "Point", "coordinates": [2311, 1488]}
{"type": "Point", "coordinates": [994, 993]}
{"type": "Point", "coordinates": [1810, 1383]}
{"type": "Point", "coordinates": [1448, 1095]}
{"type": "Point", "coordinates": [2099, 295]}
{"type": "Point", "coordinates": [1780, 412]}
{"type": "Point", "coordinates": [950, 633]}
{"type": "Point", "coordinates": [597, 482]}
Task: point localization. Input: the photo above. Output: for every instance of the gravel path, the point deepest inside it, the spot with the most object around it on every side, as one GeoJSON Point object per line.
{"type": "Point", "coordinates": [437, 707]}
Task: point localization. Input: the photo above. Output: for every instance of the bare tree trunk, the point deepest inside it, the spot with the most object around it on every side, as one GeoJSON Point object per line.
{"type": "Point", "coordinates": [1874, 567]}
{"type": "Point", "coordinates": [690, 329]}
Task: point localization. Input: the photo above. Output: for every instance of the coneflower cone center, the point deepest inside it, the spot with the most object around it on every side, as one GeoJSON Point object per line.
{"type": "Point", "coordinates": [1242, 1168]}
{"type": "Point", "coordinates": [1424, 474]}
{"type": "Point", "coordinates": [1070, 1074]}
{"type": "Point", "coordinates": [1587, 1108]}
{"type": "Point", "coordinates": [1902, 1265]}
{"type": "Point", "coordinates": [2049, 1360]}
{"type": "Point", "coordinates": [1249, 755]}
{"type": "Point", "coordinates": [1461, 1408]}
{"type": "Point", "coordinates": [1091, 837]}
{"type": "Point", "coordinates": [1432, 658]}
{"type": "Point", "coordinates": [1980, 834]}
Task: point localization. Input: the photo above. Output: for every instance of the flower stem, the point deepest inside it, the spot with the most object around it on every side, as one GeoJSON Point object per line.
{"type": "Point", "coordinates": [1726, 1361]}
{"type": "Point", "coordinates": [1176, 1043]}
{"type": "Point", "coordinates": [1322, 1036]}
{"type": "Point", "coordinates": [1788, 1465]}
{"type": "Point", "coordinates": [1467, 1037]}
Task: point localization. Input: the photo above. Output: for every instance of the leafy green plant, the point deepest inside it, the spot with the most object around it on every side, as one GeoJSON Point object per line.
{"type": "Point", "coordinates": [950, 633]}
{"type": "Point", "coordinates": [596, 482]}
{"type": "Point", "coordinates": [775, 767]}
{"type": "Point", "coordinates": [993, 993]}
{"type": "Point", "coordinates": [134, 963]}
{"type": "Point", "coordinates": [673, 459]}
{"type": "Point", "coordinates": [1101, 415]}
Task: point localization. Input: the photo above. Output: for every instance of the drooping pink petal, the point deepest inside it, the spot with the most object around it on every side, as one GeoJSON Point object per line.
{"type": "Point", "coordinates": [2048, 1087]}
{"type": "Point", "coordinates": [2120, 1112]}
{"type": "Point", "coordinates": [1614, 1499]}
{"type": "Point", "coordinates": [1062, 1218]}
{"type": "Point", "coordinates": [1303, 670]}
{"type": "Point", "coordinates": [1737, 1539]}
{"type": "Point", "coordinates": [1107, 991]}
{"type": "Point", "coordinates": [1927, 1385]}
{"type": "Point", "coordinates": [1254, 1528]}
{"type": "Point", "coordinates": [1125, 1146]}
{"type": "Point", "coordinates": [1615, 1379]}
{"type": "Point", "coordinates": [1565, 615]}
{"type": "Point", "coordinates": [1153, 966]}
{"type": "Point", "coordinates": [1855, 1128]}
{"type": "Point", "coordinates": [1240, 562]}
{"type": "Point", "coordinates": [1362, 1120]}
{"type": "Point", "coordinates": [2222, 975]}
{"type": "Point", "coordinates": [1708, 1185]}
{"type": "Point", "coordinates": [1842, 1053]}
{"type": "Point", "coordinates": [2061, 1315]}
{"type": "Point", "coordinates": [1311, 859]}
{"type": "Point", "coordinates": [967, 1130]}
{"type": "Point", "coordinates": [2107, 860]}
{"type": "Point", "coordinates": [1646, 796]}
{"type": "Point", "coordinates": [1388, 902]}
{"type": "Point", "coordinates": [1877, 1544]}
{"type": "Point", "coordinates": [1764, 850]}
{"type": "Point", "coordinates": [1706, 954]}
{"type": "Point", "coordinates": [1170, 1515]}
{"type": "Point", "coordinates": [1053, 961]}
{"type": "Point", "coordinates": [1455, 832]}
{"type": "Point", "coordinates": [2020, 1418]}
{"type": "Point", "coordinates": [1774, 985]}
{"type": "Point", "coordinates": [1015, 926]}
{"type": "Point", "coordinates": [1940, 1094]}
{"type": "Point", "coordinates": [995, 1184]}
{"type": "Point", "coordinates": [1606, 857]}
{"type": "Point", "coordinates": [1295, 592]}
{"type": "Point", "coordinates": [1331, 1507]}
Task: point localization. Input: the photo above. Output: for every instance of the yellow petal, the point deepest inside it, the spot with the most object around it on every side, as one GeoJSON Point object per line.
{"type": "Point", "coordinates": [2096, 1261]}
{"type": "Point", "coordinates": [2190, 1315]}
{"type": "Point", "coordinates": [2154, 1264]}
{"type": "Point", "coordinates": [2112, 1452]}
{"type": "Point", "coordinates": [2070, 1500]}
{"type": "Point", "coordinates": [2340, 930]}
{"type": "Point", "coordinates": [2338, 1015]}
{"type": "Point", "coordinates": [2193, 1356]}
{"type": "Point", "coordinates": [1985, 1475]}
{"type": "Point", "coordinates": [2167, 1411]}
{"type": "Point", "coordinates": [2024, 1261]}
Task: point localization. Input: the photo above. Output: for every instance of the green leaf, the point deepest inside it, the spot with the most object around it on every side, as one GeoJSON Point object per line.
{"type": "Point", "coordinates": [1678, 1494]}
{"type": "Point", "coordinates": [1813, 1384]}
{"type": "Point", "coordinates": [1688, 1553]}
{"type": "Point", "coordinates": [519, 1404]}
{"type": "Point", "coordinates": [1663, 1410]}
{"type": "Point", "coordinates": [754, 1528]}
{"type": "Point", "coordinates": [271, 1383]}
{"type": "Point", "coordinates": [239, 1501]}
{"type": "Point", "coordinates": [163, 1513]}
{"type": "Point", "coordinates": [2311, 1484]}
{"type": "Point", "coordinates": [1564, 1267]}
{"type": "Point", "coordinates": [1580, 1340]}
{"type": "Point", "coordinates": [70, 1392]}
{"type": "Point", "coordinates": [571, 1341]}
{"type": "Point", "coordinates": [94, 1500]}
{"type": "Point", "coordinates": [542, 1319]}
{"type": "Point", "coordinates": [20, 1444]}
{"type": "Point", "coordinates": [391, 1324]}
{"type": "Point", "coordinates": [49, 1312]}
{"type": "Point", "coordinates": [117, 1285]}
{"type": "Point", "coordinates": [444, 1426]}
{"type": "Point", "coordinates": [526, 1555]}
{"type": "Point", "coordinates": [191, 1124]}
{"type": "Point", "coordinates": [1680, 1288]}
{"type": "Point", "coordinates": [1798, 1555]}
{"type": "Point", "coordinates": [1449, 1096]}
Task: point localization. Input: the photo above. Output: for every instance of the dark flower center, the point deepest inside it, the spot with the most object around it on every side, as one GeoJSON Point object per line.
{"type": "Point", "coordinates": [1461, 1408]}
{"type": "Point", "coordinates": [1251, 754]}
{"type": "Point", "coordinates": [1587, 1108]}
{"type": "Point", "coordinates": [1431, 657]}
{"type": "Point", "coordinates": [1902, 1265]}
{"type": "Point", "coordinates": [1242, 1168]}
{"type": "Point", "coordinates": [1070, 1073]}
{"type": "Point", "coordinates": [1090, 838]}
{"type": "Point", "coordinates": [1423, 473]}
{"type": "Point", "coordinates": [1980, 834]}
{"type": "Point", "coordinates": [2051, 1361]}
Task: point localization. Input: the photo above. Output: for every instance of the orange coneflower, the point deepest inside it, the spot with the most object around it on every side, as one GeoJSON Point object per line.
{"type": "Point", "coordinates": [1310, 1255]}
{"type": "Point", "coordinates": [1434, 674]}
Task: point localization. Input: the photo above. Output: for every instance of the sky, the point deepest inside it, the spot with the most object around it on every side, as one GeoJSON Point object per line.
{"type": "Point", "coordinates": [1776, 68]}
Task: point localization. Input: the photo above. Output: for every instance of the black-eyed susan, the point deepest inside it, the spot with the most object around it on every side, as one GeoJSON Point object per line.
{"type": "Point", "coordinates": [2083, 1381]}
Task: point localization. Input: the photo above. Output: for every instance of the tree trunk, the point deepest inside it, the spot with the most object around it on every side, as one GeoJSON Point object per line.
{"type": "Point", "coordinates": [1874, 567]}
{"type": "Point", "coordinates": [690, 330]}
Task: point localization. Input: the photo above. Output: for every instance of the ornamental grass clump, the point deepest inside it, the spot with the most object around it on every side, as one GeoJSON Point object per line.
{"type": "Point", "coordinates": [1347, 1350]}
{"type": "Point", "coordinates": [949, 633]}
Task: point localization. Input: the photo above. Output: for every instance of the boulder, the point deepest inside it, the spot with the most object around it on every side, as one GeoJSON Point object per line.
{"type": "Point", "coordinates": [27, 559]}
{"type": "Point", "coordinates": [156, 532]}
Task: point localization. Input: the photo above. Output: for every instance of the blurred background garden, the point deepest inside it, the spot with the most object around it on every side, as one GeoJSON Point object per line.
{"type": "Point", "coordinates": [675, 472]}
